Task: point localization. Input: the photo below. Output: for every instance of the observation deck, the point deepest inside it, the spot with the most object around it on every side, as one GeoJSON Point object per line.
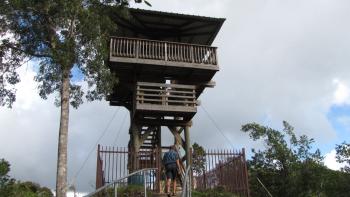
{"type": "Point", "coordinates": [163, 62]}
{"type": "Point", "coordinates": [171, 60]}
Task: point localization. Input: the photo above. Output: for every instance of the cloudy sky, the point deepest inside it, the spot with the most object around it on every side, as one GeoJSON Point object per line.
{"type": "Point", "coordinates": [279, 60]}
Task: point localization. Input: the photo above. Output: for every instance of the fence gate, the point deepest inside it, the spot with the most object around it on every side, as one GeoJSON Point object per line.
{"type": "Point", "coordinates": [112, 164]}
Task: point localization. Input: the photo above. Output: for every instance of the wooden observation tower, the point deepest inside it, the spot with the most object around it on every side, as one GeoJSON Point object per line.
{"type": "Point", "coordinates": [163, 61]}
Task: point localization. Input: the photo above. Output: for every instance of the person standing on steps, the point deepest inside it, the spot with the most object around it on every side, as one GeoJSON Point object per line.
{"type": "Point", "coordinates": [172, 164]}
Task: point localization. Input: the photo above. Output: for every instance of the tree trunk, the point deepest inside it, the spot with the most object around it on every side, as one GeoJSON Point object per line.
{"type": "Point", "coordinates": [61, 177]}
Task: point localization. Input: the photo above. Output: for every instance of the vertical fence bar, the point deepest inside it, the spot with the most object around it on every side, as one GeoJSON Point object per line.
{"type": "Point", "coordinates": [136, 49]}
{"type": "Point", "coordinates": [246, 173]}
{"type": "Point", "coordinates": [144, 183]}
{"type": "Point", "coordinates": [111, 46]}
{"type": "Point", "coordinates": [127, 48]}
{"type": "Point", "coordinates": [120, 163]}
{"type": "Point", "coordinates": [116, 190]}
{"type": "Point", "coordinates": [233, 171]}
{"type": "Point", "coordinates": [125, 152]}
{"type": "Point", "coordinates": [117, 43]}
{"type": "Point", "coordinates": [122, 47]}
{"type": "Point", "coordinates": [108, 165]}
{"type": "Point", "coordinates": [116, 163]}
{"type": "Point", "coordinates": [104, 156]}
{"type": "Point", "coordinates": [165, 51]}
{"type": "Point", "coordinates": [113, 152]}
{"type": "Point", "coordinates": [98, 168]}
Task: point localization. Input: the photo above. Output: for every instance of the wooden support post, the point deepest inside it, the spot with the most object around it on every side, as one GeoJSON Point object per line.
{"type": "Point", "coordinates": [159, 159]}
{"type": "Point", "coordinates": [177, 137]}
{"type": "Point", "coordinates": [188, 145]}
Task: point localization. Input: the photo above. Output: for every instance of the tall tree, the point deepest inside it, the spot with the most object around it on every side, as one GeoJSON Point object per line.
{"type": "Point", "coordinates": [287, 166]}
{"type": "Point", "coordinates": [60, 35]}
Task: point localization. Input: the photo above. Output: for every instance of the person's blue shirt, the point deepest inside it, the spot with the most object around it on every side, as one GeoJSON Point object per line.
{"type": "Point", "coordinates": [170, 157]}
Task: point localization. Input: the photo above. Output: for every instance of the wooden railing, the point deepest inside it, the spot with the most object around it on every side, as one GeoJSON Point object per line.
{"type": "Point", "coordinates": [165, 94]}
{"type": "Point", "coordinates": [160, 50]}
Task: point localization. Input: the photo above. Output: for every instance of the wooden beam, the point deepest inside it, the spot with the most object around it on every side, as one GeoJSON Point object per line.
{"type": "Point", "coordinates": [164, 63]}
{"type": "Point", "coordinates": [157, 122]}
{"type": "Point", "coordinates": [209, 84]}
{"type": "Point", "coordinates": [177, 136]}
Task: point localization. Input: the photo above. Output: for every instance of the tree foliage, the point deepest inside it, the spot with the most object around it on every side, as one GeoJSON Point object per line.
{"type": "Point", "coordinates": [343, 155]}
{"type": "Point", "coordinates": [60, 35]}
{"type": "Point", "coordinates": [9, 187]}
{"type": "Point", "coordinates": [5, 180]}
{"type": "Point", "coordinates": [287, 166]}
{"type": "Point", "coordinates": [198, 159]}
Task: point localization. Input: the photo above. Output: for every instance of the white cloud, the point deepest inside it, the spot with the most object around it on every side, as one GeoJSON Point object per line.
{"type": "Point", "coordinates": [331, 162]}
{"type": "Point", "coordinates": [342, 93]}
{"type": "Point", "coordinates": [27, 88]}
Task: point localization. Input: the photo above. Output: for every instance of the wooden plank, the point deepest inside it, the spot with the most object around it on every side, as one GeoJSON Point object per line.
{"type": "Point", "coordinates": [167, 95]}
{"type": "Point", "coordinates": [166, 85]}
{"type": "Point", "coordinates": [163, 122]}
{"type": "Point", "coordinates": [167, 101]}
{"type": "Point", "coordinates": [163, 91]}
{"type": "Point", "coordinates": [195, 65]}
{"type": "Point", "coordinates": [152, 90]}
{"type": "Point", "coordinates": [169, 108]}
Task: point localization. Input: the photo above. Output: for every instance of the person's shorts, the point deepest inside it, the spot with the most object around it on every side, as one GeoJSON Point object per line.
{"type": "Point", "coordinates": [171, 171]}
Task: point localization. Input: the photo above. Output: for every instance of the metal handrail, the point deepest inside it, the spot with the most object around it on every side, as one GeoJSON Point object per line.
{"type": "Point", "coordinates": [186, 184]}
{"type": "Point", "coordinates": [264, 187]}
{"type": "Point", "coordinates": [115, 183]}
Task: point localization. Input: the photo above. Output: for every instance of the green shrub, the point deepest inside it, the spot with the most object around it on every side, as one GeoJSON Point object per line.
{"type": "Point", "coordinates": [11, 188]}
{"type": "Point", "coordinates": [215, 192]}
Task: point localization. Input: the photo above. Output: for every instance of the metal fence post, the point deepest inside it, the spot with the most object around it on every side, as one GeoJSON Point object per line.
{"type": "Point", "coordinates": [190, 185]}
{"type": "Point", "coordinates": [116, 190]}
{"type": "Point", "coordinates": [144, 182]}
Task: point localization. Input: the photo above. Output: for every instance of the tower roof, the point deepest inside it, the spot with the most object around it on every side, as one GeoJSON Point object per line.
{"type": "Point", "coordinates": [167, 26]}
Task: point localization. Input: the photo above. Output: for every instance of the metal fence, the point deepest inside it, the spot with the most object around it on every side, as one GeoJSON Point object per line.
{"type": "Point", "coordinates": [112, 164]}
{"type": "Point", "coordinates": [222, 168]}
{"type": "Point", "coordinates": [226, 169]}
